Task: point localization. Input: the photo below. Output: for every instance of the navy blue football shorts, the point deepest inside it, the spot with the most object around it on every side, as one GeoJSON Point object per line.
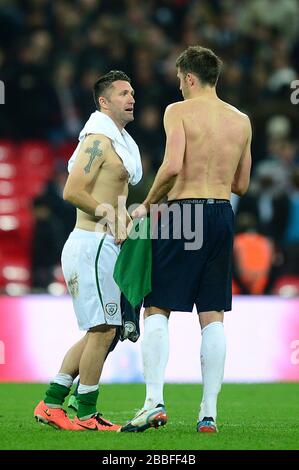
{"type": "Point", "coordinates": [192, 256]}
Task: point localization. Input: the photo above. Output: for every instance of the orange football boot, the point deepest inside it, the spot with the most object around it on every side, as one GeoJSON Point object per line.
{"type": "Point", "coordinates": [55, 417]}
{"type": "Point", "coordinates": [95, 423]}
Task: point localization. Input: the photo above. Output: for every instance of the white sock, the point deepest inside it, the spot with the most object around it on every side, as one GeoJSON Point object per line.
{"type": "Point", "coordinates": [154, 357]}
{"type": "Point", "coordinates": [212, 356]}
{"type": "Point", "coordinates": [87, 388]}
{"type": "Point", "coordinates": [63, 379]}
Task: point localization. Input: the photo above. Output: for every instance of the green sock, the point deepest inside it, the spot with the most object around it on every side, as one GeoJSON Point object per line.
{"type": "Point", "coordinates": [87, 403]}
{"type": "Point", "coordinates": [76, 389]}
{"type": "Point", "coordinates": [56, 394]}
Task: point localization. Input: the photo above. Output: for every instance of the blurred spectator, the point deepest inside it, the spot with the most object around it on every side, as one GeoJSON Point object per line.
{"type": "Point", "coordinates": [63, 210]}
{"type": "Point", "coordinates": [150, 134]}
{"type": "Point", "coordinates": [138, 193]}
{"type": "Point", "coordinates": [278, 127]}
{"type": "Point", "coordinates": [253, 257]}
{"type": "Point", "coordinates": [30, 94]}
{"type": "Point", "coordinates": [67, 123]}
{"type": "Point", "coordinates": [232, 83]}
{"type": "Point", "coordinates": [292, 228]}
{"type": "Point", "coordinates": [283, 74]}
{"type": "Point", "coordinates": [291, 235]}
{"type": "Point", "coordinates": [84, 97]}
{"type": "Point", "coordinates": [47, 243]}
{"type": "Point", "coordinates": [268, 202]}
{"type": "Point", "coordinates": [282, 15]}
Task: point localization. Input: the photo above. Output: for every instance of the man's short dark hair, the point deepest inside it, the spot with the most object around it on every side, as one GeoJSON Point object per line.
{"type": "Point", "coordinates": [105, 82]}
{"type": "Point", "coordinates": [202, 62]}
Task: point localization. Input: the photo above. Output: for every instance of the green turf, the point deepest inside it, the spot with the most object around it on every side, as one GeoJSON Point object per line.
{"type": "Point", "coordinates": [250, 416]}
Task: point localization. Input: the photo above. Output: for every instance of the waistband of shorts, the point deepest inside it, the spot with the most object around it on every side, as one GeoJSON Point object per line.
{"type": "Point", "coordinates": [199, 201]}
{"type": "Point", "coordinates": [81, 233]}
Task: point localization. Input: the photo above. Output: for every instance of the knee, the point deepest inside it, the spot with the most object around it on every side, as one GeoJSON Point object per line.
{"type": "Point", "coordinates": [205, 318]}
{"type": "Point", "coordinates": [110, 333]}
{"type": "Point", "coordinates": [103, 333]}
{"type": "Point", "coordinates": [149, 311]}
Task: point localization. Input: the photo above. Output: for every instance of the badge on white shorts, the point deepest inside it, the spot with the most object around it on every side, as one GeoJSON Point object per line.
{"type": "Point", "coordinates": [111, 309]}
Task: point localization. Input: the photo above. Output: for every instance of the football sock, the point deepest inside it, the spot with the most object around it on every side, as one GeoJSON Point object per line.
{"type": "Point", "coordinates": [76, 389]}
{"type": "Point", "coordinates": [63, 379]}
{"type": "Point", "coordinates": [58, 390]}
{"type": "Point", "coordinates": [87, 401]}
{"type": "Point", "coordinates": [212, 356]}
{"type": "Point", "coordinates": [154, 357]}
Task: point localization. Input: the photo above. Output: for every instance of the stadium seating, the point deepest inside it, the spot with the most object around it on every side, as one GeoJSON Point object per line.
{"type": "Point", "coordinates": [24, 171]}
{"type": "Point", "coordinates": [7, 151]}
{"type": "Point", "coordinates": [15, 277]}
{"type": "Point", "coordinates": [65, 150]}
{"type": "Point", "coordinates": [36, 160]}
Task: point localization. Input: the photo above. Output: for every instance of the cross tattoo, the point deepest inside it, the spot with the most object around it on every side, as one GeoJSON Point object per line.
{"type": "Point", "coordinates": [94, 152]}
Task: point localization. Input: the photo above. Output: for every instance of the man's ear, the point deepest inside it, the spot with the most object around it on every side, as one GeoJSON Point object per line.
{"type": "Point", "coordinates": [190, 78]}
{"type": "Point", "coordinates": [103, 102]}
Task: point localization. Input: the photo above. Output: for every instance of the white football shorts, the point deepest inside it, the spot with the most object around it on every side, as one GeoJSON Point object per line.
{"type": "Point", "coordinates": [88, 260]}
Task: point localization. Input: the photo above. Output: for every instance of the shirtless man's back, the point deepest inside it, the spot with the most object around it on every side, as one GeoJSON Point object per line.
{"type": "Point", "coordinates": [207, 157]}
{"type": "Point", "coordinates": [217, 135]}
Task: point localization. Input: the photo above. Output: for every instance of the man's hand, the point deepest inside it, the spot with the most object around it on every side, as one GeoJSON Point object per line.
{"type": "Point", "coordinates": [119, 231]}
{"type": "Point", "coordinates": [123, 228]}
{"type": "Point", "coordinates": [140, 211]}
{"type": "Point", "coordinates": [112, 222]}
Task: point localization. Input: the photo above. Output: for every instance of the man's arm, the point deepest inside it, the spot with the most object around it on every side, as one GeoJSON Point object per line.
{"type": "Point", "coordinates": [82, 176]}
{"type": "Point", "coordinates": [173, 157]}
{"type": "Point", "coordinates": [242, 176]}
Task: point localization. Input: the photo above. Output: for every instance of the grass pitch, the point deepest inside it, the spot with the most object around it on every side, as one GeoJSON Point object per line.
{"type": "Point", "coordinates": [250, 416]}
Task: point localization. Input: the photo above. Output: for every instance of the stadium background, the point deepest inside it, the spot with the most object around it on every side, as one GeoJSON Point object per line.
{"type": "Point", "coordinates": [50, 55]}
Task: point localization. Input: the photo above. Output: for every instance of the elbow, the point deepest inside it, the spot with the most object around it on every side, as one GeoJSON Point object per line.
{"type": "Point", "coordinates": [172, 171]}
{"type": "Point", "coordinates": [172, 174]}
{"type": "Point", "coordinates": [240, 186]}
{"type": "Point", "coordinates": [239, 190]}
{"type": "Point", "coordinates": [68, 196]}
{"type": "Point", "coordinates": [243, 191]}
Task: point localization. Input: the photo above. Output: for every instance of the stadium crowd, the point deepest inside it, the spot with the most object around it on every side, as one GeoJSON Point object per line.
{"type": "Point", "coordinates": [51, 53]}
